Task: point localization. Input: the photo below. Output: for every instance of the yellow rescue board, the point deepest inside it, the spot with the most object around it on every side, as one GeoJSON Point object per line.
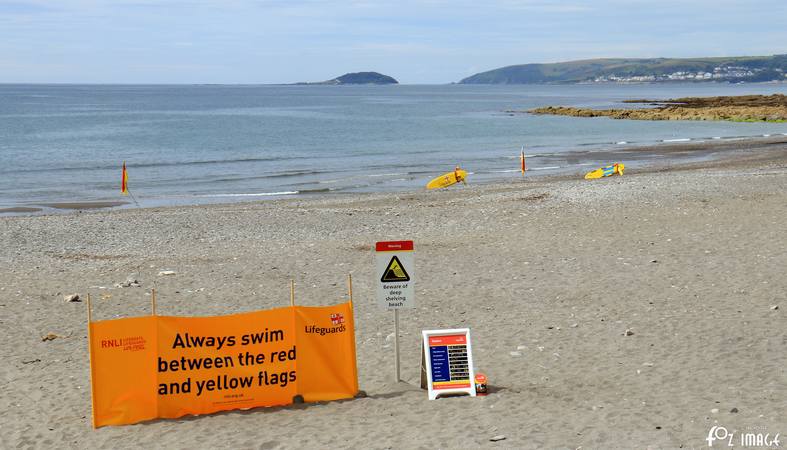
{"type": "Point", "coordinates": [447, 179]}
{"type": "Point", "coordinates": [606, 171]}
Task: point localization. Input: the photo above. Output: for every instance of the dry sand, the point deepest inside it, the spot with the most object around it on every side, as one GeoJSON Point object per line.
{"type": "Point", "coordinates": [548, 274]}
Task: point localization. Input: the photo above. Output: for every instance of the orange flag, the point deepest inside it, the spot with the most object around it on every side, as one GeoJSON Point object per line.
{"type": "Point", "coordinates": [522, 165]}
{"type": "Point", "coordinates": [124, 181]}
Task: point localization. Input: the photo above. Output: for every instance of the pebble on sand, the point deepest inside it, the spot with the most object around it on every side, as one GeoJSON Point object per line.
{"type": "Point", "coordinates": [72, 298]}
{"type": "Point", "coordinates": [775, 307]}
{"type": "Point", "coordinates": [166, 272]}
{"type": "Point", "coordinates": [714, 411]}
{"type": "Point", "coordinates": [131, 281]}
{"type": "Point", "coordinates": [49, 337]}
{"type": "Point", "coordinates": [628, 332]}
{"type": "Point", "coordinates": [499, 437]}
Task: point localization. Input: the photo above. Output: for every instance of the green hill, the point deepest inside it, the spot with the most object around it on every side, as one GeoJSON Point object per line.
{"type": "Point", "coordinates": [365, 78]}
{"type": "Point", "coordinates": [729, 69]}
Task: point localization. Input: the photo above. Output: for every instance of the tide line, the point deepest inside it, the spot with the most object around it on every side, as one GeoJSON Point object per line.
{"type": "Point", "coordinates": [255, 194]}
{"type": "Point", "coordinates": [543, 168]}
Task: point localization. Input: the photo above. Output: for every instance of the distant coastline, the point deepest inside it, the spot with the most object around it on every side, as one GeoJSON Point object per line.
{"type": "Point", "coordinates": [738, 69]}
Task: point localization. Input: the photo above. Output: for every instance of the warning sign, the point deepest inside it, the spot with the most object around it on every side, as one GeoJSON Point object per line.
{"type": "Point", "coordinates": [396, 272]}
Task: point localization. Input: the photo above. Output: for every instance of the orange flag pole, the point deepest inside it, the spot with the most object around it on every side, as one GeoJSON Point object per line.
{"type": "Point", "coordinates": [124, 184]}
{"type": "Point", "coordinates": [522, 163]}
{"type": "Point", "coordinates": [124, 180]}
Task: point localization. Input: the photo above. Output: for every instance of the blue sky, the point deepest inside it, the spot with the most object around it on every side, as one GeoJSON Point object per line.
{"type": "Point", "coordinates": [429, 41]}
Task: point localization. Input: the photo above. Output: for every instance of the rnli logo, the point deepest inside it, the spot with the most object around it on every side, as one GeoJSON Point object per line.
{"type": "Point", "coordinates": [126, 344]}
{"type": "Point", "coordinates": [337, 319]}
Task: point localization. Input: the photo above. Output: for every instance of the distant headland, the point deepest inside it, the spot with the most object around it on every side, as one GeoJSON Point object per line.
{"type": "Point", "coordinates": [743, 108]}
{"type": "Point", "coordinates": [641, 70]}
{"type": "Point", "coordinates": [357, 78]}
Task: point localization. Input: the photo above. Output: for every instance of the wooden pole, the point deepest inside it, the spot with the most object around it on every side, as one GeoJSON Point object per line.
{"type": "Point", "coordinates": [90, 357]}
{"type": "Point", "coordinates": [352, 320]}
{"type": "Point", "coordinates": [89, 312]}
{"type": "Point", "coordinates": [350, 286]}
{"type": "Point", "coordinates": [292, 292]}
{"type": "Point", "coordinates": [153, 300]}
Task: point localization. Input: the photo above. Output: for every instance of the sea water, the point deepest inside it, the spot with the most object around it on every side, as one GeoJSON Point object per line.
{"type": "Point", "coordinates": [192, 144]}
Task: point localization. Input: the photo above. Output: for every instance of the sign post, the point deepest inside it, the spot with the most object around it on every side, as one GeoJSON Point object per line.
{"type": "Point", "coordinates": [395, 269]}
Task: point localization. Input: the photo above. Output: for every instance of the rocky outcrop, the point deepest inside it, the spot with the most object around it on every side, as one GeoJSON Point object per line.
{"type": "Point", "coordinates": [747, 108]}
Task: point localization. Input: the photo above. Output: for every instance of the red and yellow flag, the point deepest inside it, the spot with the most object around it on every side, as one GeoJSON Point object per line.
{"type": "Point", "coordinates": [124, 181]}
{"type": "Point", "coordinates": [522, 165]}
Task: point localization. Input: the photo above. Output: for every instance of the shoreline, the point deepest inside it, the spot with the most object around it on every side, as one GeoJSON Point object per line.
{"type": "Point", "coordinates": [678, 155]}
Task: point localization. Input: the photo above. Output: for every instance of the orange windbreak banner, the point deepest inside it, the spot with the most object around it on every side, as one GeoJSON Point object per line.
{"type": "Point", "coordinates": [152, 367]}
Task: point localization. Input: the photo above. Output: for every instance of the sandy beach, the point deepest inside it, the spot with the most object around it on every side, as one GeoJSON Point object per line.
{"type": "Point", "coordinates": [548, 273]}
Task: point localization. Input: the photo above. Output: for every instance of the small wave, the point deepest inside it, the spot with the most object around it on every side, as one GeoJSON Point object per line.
{"type": "Point", "coordinates": [212, 161]}
{"type": "Point", "coordinates": [294, 173]}
{"type": "Point", "coordinates": [386, 174]}
{"type": "Point", "coordinates": [312, 191]}
{"type": "Point", "coordinates": [158, 164]}
{"type": "Point", "coordinates": [621, 142]}
{"type": "Point", "coordinates": [255, 194]}
{"type": "Point", "coordinates": [261, 177]}
{"type": "Point", "coordinates": [766, 135]}
{"type": "Point", "coordinates": [676, 140]}
{"type": "Point", "coordinates": [544, 168]}
{"type": "Point", "coordinates": [716, 137]}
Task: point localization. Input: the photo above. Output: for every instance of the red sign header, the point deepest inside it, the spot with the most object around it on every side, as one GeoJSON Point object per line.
{"type": "Point", "coordinates": [393, 246]}
{"type": "Point", "coordinates": [454, 339]}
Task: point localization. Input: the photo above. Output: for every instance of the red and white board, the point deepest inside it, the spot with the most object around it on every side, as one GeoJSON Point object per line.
{"type": "Point", "coordinates": [448, 357]}
{"type": "Point", "coordinates": [395, 274]}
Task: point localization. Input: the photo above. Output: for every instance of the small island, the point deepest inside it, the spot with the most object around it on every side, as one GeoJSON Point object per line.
{"type": "Point", "coordinates": [357, 78]}
{"type": "Point", "coordinates": [743, 108]}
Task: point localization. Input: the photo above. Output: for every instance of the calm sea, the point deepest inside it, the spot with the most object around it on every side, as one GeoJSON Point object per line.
{"type": "Point", "coordinates": [200, 144]}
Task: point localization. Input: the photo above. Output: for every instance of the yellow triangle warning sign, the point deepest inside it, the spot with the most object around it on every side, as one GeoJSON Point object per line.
{"type": "Point", "coordinates": [394, 272]}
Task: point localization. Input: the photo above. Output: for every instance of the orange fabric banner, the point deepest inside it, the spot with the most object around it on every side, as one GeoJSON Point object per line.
{"type": "Point", "coordinates": [144, 368]}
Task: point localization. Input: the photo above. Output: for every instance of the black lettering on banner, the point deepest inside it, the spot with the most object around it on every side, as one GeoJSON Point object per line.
{"type": "Point", "coordinates": [221, 381]}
